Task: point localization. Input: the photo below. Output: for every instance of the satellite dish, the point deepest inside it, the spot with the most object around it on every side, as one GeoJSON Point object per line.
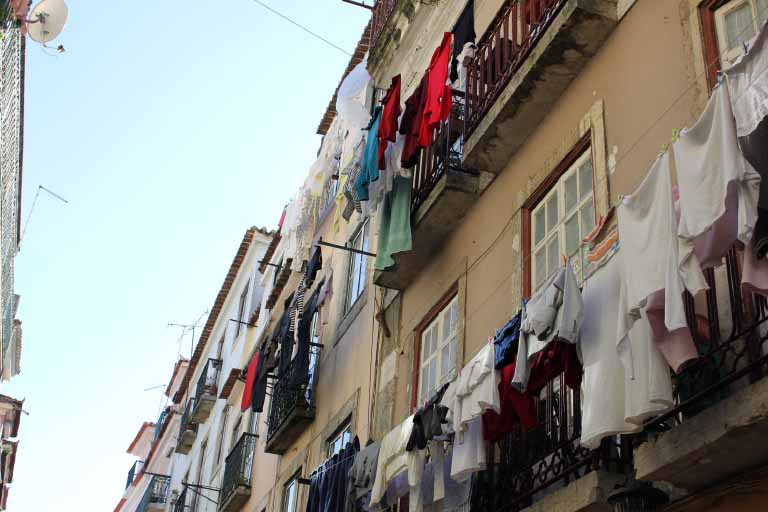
{"type": "Point", "coordinates": [47, 19]}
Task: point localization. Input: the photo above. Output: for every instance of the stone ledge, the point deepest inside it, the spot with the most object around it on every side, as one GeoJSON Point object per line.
{"type": "Point", "coordinates": [719, 442]}
{"type": "Point", "coordinates": [587, 494]}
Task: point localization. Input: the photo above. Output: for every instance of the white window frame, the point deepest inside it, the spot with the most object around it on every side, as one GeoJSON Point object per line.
{"type": "Point", "coordinates": [291, 487]}
{"type": "Point", "coordinates": [357, 267]}
{"type": "Point", "coordinates": [729, 55]}
{"type": "Point", "coordinates": [339, 439]}
{"type": "Point", "coordinates": [557, 229]}
{"type": "Point", "coordinates": [434, 341]}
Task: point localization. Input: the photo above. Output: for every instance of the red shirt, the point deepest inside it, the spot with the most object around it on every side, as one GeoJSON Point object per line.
{"type": "Point", "coordinates": [250, 376]}
{"type": "Point", "coordinates": [388, 123]}
{"type": "Point", "coordinates": [438, 104]}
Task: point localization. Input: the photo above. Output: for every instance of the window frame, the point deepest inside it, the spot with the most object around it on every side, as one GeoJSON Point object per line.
{"type": "Point", "coordinates": [345, 429]}
{"type": "Point", "coordinates": [559, 230]}
{"type": "Point", "coordinates": [222, 436]}
{"type": "Point", "coordinates": [707, 19]}
{"type": "Point", "coordinates": [364, 235]}
{"type": "Point", "coordinates": [448, 297]}
{"type": "Point", "coordinates": [292, 482]}
{"type": "Point", "coordinates": [542, 191]}
{"type": "Point", "coordinates": [241, 309]}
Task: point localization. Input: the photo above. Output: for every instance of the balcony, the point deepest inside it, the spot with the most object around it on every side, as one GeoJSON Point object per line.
{"type": "Point", "coordinates": [187, 429]}
{"type": "Point", "coordinates": [443, 191]}
{"type": "Point", "coordinates": [382, 11]}
{"type": "Point", "coordinates": [524, 62]}
{"type": "Point", "coordinates": [528, 465]}
{"type": "Point", "coordinates": [206, 391]}
{"type": "Point", "coordinates": [133, 472]}
{"type": "Point", "coordinates": [180, 505]}
{"type": "Point", "coordinates": [292, 404]}
{"type": "Point", "coordinates": [156, 495]}
{"type": "Point", "coordinates": [719, 425]}
{"type": "Point", "coordinates": [236, 485]}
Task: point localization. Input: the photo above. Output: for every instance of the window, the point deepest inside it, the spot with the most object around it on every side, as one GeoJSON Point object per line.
{"type": "Point", "coordinates": [222, 434]}
{"type": "Point", "coordinates": [236, 430]}
{"type": "Point", "coordinates": [339, 440]}
{"type": "Point", "coordinates": [313, 355]}
{"type": "Point", "coordinates": [241, 309]}
{"type": "Point", "coordinates": [253, 424]}
{"type": "Point", "coordinates": [738, 22]}
{"type": "Point", "coordinates": [437, 352]}
{"type": "Point", "coordinates": [561, 220]}
{"type": "Point", "coordinates": [356, 274]}
{"type": "Point", "coordinates": [200, 467]}
{"type": "Point", "coordinates": [290, 492]}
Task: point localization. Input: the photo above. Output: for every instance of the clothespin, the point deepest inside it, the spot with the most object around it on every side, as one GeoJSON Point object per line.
{"type": "Point", "coordinates": [746, 48]}
{"type": "Point", "coordinates": [675, 134]}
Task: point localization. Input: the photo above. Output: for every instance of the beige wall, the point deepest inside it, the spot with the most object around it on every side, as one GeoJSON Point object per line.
{"type": "Point", "coordinates": [631, 96]}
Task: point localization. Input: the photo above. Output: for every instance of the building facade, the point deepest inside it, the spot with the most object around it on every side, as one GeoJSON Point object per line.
{"type": "Point", "coordinates": [557, 114]}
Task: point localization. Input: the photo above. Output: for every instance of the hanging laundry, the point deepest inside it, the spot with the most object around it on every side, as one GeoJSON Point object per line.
{"type": "Point", "coordinates": [395, 228]}
{"type": "Point", "coordinates": [314, 264]}
{"type": "Point", "coordinates": [393, 459]}
{"type": "Point", "coordinates": [303, 339]}
{"type": "Point", "coordinates": [267, 363]}
{"type": "Point", "coordinates": [516, 407]}
{"type": "Point", "coordinates": [649, 258]}
{"type": "Point", "coordinates": [554, 312]}
{"type": "Point", "coordinates": [717, 186]}
{"type": "Point", "coordinates": [438, 102]}
{"type": "Point", "coordinates": [369, 166]}
{"type": "Point", "coordinates": [410, 124]}
{"type": "Point", "coordinates": [328, 483]}
{"type": "Point", "coordinates": [351, 104]}
{"type": "Point", "coordinates": [506, 340]}
{"type": "Point", "coordinates": [428, 421]}
{"type": "Point", "coordinates": [617, 395]}
{"type": "Point", "coordinates": [469, 451]}
{"type": "Point", "coordinates": [387, 131]}
{"type": "Point", "coordinates": [361, 477]}
{"type": "Point", "coordinates": [250, 378]}
{"type": "Point", "coordinates": [463, 35]}
{"type": "Point", "coordinates": [475, 390]}
{"type": "Point", "coordinates": [749, 86]}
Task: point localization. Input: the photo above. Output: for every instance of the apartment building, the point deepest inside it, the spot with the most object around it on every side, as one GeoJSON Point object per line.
{"type": "Point", "coordinates": [556, 114]}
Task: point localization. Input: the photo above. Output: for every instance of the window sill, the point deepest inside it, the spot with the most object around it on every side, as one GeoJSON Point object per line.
{"type": "Point", "coordinates": [350, 316]}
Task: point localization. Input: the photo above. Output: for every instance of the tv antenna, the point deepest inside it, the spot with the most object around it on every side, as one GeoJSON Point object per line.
{"type": "Point", "coordinates": [47, 20]}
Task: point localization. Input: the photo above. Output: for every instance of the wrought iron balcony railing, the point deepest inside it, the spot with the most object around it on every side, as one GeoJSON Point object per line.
{"type": "Point", "coordinates": [156, 494]}
{"type": "Point", "coordinates": [133, 473]}
{"type": "Point", "coordinates": [445, 152]}
{"type": "Point", "coordinates": [180, 505]}
{"type": "Point", "coordinates": [187, 428]}
{"type": "Point", "coordinates": [528, 462]}
{"type": "Point", "coordinates": [208, 382]}
{"type": "Point", "coordinates": [292, 402]}
{"type": "Point", "coordinates": [730, 331]}
{"type": "Point", "coordinates": [238, 468]}
{"type": "Point", "coordinates": [382, 10]}
{"type": "Point", "coordinates": [503, 48]}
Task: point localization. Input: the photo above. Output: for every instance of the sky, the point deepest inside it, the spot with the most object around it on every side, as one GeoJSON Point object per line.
{"type": "Point", "coordinates": [170, 127]}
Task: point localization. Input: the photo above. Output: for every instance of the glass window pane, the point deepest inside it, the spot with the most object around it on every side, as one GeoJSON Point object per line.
{"type": "Point", "coordinates": [552, 213]}
{"type": "Point", "coordinates": [445, 360]}
{"type": "Point", "coordinates": [425, 345]}
{"type": "Point", "coordinates": [432, 377]}
{"type": "Point", "coordinates": [572, 235]}
{"type": "Point", "coordinates": [762, 12]}
{"type": "Point", "coordinates": [587, 218]}
{"type": "Point", "coordinates": [454, 314]}
{"type": "Point", "coordinates": [571, 194]}
{"type": "Point", "coordinates": [553, 255]}
{"type": "Point", "coordinates": [739, 26]}
{"type": "Point", "coordinates": [446, 325]}
{"type": "Point", "coordinates": [540, 227]}
{"type": "Point", "coordinates": [541, 266]}
{"type": "Point", "coordinates": [585, 179]}
{"type": "Point", "coordinates": [452, 359]}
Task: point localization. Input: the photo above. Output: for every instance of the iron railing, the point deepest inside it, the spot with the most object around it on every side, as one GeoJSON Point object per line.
{"type": "Point", "coordinates": [180, 505]}
{"type": "Point", "coordinates": [730, 331]}
{"type": "Point", "coordinates": [290, 392]}
{"type": "Point", "coordinates": [133, 473]}
{"type": "Point", "coordinates": [208, 382]}
{"type": "Point", "coordinates": [156, 493]}
{"type": "Point", "coordinates": [159, 424]}
{"type": "Point", "coordinates": [186, 418]}
{"type": "Point", "coordinates": [382, 10]}
{"type": "Point", "coordinates": [238, 467]}
{"type": "Point", "coordinates": [445, 152]}
{"type": "Point", "coordinates": [506, 44]}
{"type": "Point", "coordinates": [527, 463]}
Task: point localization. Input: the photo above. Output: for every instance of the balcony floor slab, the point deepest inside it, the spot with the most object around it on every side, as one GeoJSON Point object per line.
{"type": "Point", "coordinates": [587, 494]}
{"type": "Point", "coordinates": [572, 39]}
{"type": "Point", "coordinates": [721, 441]}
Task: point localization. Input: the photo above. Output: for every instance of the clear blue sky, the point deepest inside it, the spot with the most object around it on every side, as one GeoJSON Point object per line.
{"type": "Point", "coordinates": [170, 127]}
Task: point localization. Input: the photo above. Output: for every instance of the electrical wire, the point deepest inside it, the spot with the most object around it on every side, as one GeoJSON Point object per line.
{"type": "Point", "coordinates": [302, 27]}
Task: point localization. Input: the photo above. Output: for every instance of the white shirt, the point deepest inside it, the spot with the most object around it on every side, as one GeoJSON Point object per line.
{"type": "Point", "coordinates": [748, 80]}
{"type": "Point", "coordinates": [393, 458]}
{"type": "Point", "coordinates": [476, 389]}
